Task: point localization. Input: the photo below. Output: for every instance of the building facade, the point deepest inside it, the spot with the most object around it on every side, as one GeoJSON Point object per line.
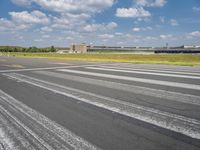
{"type": "Point", "coordinates": [78, 48]}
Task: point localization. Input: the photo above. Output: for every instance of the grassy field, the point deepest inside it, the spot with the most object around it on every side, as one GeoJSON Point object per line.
{"type": "Point", "coordinates": [172, 59]}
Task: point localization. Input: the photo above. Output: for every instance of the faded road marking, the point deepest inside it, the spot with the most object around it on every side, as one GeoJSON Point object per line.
{"type": "Point", "coordinates": [37, 125]}
{"type": "Point", "coordinates": [146, 73]}
{"type": "Point", "coordinates": [173, 96]}
{"type": "Point", "coordinates": [173, 122]}
{"type": "Point", "coordinates": [143, 80]}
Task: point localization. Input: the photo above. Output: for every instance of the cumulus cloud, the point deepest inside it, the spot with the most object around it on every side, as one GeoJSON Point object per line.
{"type": "Point", "coordinates": [7, 25]}
{"type": "Point", "coordinates": [106, 36]}
{"type": "Point", "coordinates": [111, 25]}
{"type": "Point", "coordinates": [99, 27]}
{"type": "Point", "coordinates": [71, 13]}
{"type": "Point", "coordinates": [147, 28]}
{"type": "Point", "coordinates": [46, 29]}
{"type": "Point", "coordinates": [196, 9]}
{"type": "Point", "coordinates": [162, 19]}
{"type": "Point", "coordinates": [80, 23]}
{"type": "Point", "coordinates": [4, 23]}
{"type": "Point", "coordinates": [46, 36]}
{"type": "Point", "coordinates": [150, 3]}
{"type": "Point", "coordinates": [34, 17]}
{"type": "Point", "coordinates": [138, 11]}
{"type": "Point", "coordinates": [195, 34]}
{"type": "Point", "coordinates": [91, 27]}
{"type": "Point", "coordinates": [75, 6]}
{"type": "Point", "coordinates": [136, 29]}
{"type": "Point", "coordinates": [167, 36]}
{"type": "Point", "coordinates": [173, 22]}
{"type": "Point", "coordinates": [132, 12]}
{"type": "Point", "coordinates": [118, 33]}
{"type": "Point", "coordinates": [22, 2]}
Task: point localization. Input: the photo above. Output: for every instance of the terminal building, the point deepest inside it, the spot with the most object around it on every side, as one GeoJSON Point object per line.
{"type": "Point", "coordinates": [78, 48]}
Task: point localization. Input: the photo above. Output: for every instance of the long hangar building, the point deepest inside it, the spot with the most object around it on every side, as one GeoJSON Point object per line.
{"type": "Point", "coordinates": [84, 48]}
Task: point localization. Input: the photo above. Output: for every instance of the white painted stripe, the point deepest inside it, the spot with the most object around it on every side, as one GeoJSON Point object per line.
{"type": "Point", "coordinates": [177, 123]}
{"type": "Point", "coordinates": [152, 70]}
{"type": "Point", "coordinates": [5, 142]}
{"type": "Point", "coordinates": [60, 63]}
{"type": "Point", "coordinates": [47, 68]}
{"type": "Point", "coordinates": [46, 145]}
{"type": "Point", "coordinates": [65, 135]}
{"type": "Point", "coordinates": [150, 81]}
{"type": "Point", "coordinates": [146, 73]}
{"type": "Point", "coordinates": [156, 67]}
{"type": "Point", "coordinates": [173, 96]}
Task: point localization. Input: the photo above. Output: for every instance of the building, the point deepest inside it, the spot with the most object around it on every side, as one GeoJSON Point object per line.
{"type": "Point", "coordinates": [78, 48]}
{"type": "Point", "coordinates": [191, 46]}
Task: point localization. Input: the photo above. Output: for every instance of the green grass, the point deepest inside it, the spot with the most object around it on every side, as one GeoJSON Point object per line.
{"type": "Point", "coordinates": [172, 59]}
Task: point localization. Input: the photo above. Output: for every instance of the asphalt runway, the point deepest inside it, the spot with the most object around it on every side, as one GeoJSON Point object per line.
{"type": "Point", "coordinates": [57, 104]}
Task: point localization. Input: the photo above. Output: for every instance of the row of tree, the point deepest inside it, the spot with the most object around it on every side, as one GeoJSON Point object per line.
{"type": "Point", "coordinates": [30, 49]}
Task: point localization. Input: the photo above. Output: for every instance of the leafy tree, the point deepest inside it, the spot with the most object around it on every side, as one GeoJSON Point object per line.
{"type": "Point", "coordinates": [52, 49]}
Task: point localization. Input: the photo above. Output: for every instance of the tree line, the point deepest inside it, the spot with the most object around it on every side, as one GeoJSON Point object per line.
{"type": "Point", "coordinates": [29, 49]}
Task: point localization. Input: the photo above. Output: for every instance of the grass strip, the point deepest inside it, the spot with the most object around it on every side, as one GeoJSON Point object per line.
{"type": "Point", "coordinates": [170, 59]}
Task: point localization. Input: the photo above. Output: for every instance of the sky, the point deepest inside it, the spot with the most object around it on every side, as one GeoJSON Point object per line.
{"type": "Point", "coordinates": [60, 23]}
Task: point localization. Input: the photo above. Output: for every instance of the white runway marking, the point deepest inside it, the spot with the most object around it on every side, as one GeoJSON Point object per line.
{"type": "Point", "coordinates": [47, 146]}
{"type": "Point", "coordinates": [173, 96]}
{"type": "Point", "coordinates": [47, 68]}
{"type": "Point", "coordinates": [177, 123]}
{"type": "Point", "coordinates": [5, 142]}
{"type": "Point", "coordinates": [146, 73]}
{"type": "Point", "coordinates": [60, 63]}
{"type": "Point", "coordinates": [47, 132]}
{"type": "Point", "coordinates": [153, 70]}
{"type": "Point", "coordinates": [150, 81]}
{"type": "Point", "coordinates": [157, 67]}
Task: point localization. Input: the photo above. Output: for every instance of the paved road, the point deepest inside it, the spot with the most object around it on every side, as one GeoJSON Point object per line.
{"type": "Point", "coordinates": [55, 104]}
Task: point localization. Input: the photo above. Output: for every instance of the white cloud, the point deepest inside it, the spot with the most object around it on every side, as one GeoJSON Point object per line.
{"type": "Point", "coordinates": [150, 3]}
{"type": "Point", "coordinates": [61, 22]}
{"type": "Point", "coordinates": [149, 38]}
{"type": "Point", "coordinates": [136, 29]}
{"type": "Point", "coordinates": [132, 12]}
{"type": "Point", "coordinates": [173, 22]}
{"type": "Point", "coordinates": [196, 9]}
{"type": "Point", "coordinates": [162, 19]}
{"type": "Point", "coordinates": [7, 25]}
{"type": "Point", "coordinates": [147, 28]}
{"type": "Point", "coordinates": [38, 40]}
{"type": "Point", "coordinates": [34, 17]}
{"type": "Point", "coordinates": [75, 6]}
{"type": "Point", "coordinates": [22, 2]}
{"type": "Point", "coordinates": [70, 21]}
{"type": "Point", "coordinates": [167, 36]}
{"type": "Point", "coordinates": [79, 16]}
{"type": "Point", "coordinates": [92, 27]}
{"type": "Point", "coordinates": [4, 23]}
{"type": "Point", "coordinates": [195, 34]}
{"type": "Point", "coordinates": [99, 27]}
{"type": "Point", "coordinates": [118, 33]}
{"type": "Point", "coordinates": [46, 29]}
{"type": "Point", "coordinates": [72, 14]}
{"type": "Point", "coordinates": [46, 36]}
{"type": "Point", "coordinates": [111, 25]}
{"type": "Point", "coordinates": [106, 36]}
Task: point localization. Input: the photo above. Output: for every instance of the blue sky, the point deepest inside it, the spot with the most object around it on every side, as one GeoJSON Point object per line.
{"type": "Point", "coordinates": [99, 22]}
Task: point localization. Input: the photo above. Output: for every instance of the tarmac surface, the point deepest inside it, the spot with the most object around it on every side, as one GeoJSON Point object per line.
{"type": "Point", "coordinates": [57, 104]}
